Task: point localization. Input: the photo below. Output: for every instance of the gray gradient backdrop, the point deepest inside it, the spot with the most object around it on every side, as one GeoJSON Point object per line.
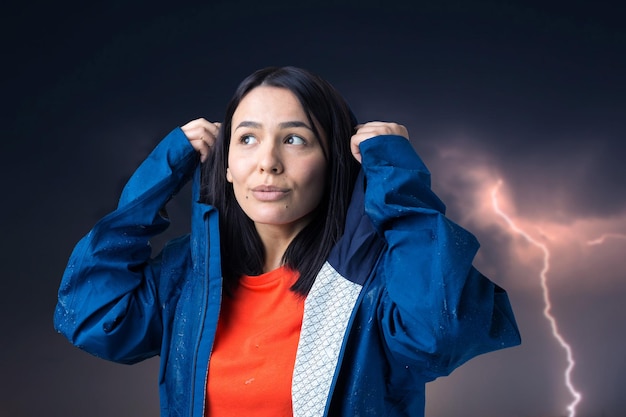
{"type": "Point", "coordinates": [531, 94]}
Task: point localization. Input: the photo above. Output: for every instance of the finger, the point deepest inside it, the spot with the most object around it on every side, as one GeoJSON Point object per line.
{"type": "Point", "coordinates": [355, 141]}
{"type": "Point", "coordinates": [215, 127]}
{"type": "Point", "coordinates": [213, 131]}
{"type": "Point", "coordinates": [202, 147]}
{"type": "Point", "coordinates": [377, 128]}
{"type": "Point", "coordinates": [356, 152]}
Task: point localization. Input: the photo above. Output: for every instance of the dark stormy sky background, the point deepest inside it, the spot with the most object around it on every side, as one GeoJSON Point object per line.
{"type": "Point", "coordinates": [532, 94]}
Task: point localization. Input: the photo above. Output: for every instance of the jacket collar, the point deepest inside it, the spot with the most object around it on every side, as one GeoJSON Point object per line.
{"type": "Point", "coordinates": [356, 253]}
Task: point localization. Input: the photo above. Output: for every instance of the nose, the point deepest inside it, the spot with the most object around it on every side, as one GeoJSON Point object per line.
{"type": "Point", "coordinates": [270, 160]}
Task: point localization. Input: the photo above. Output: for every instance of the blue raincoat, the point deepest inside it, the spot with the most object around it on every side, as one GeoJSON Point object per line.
{"type": "Point", "coordinates": [397, 304]}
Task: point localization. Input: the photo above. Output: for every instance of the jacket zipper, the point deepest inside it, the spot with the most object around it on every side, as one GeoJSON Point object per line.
{"type": "Point", "coordinates": [205, 298]}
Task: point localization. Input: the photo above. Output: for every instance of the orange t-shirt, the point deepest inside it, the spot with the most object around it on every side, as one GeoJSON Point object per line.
{"type": "Point", "coordinates": [254, 353]}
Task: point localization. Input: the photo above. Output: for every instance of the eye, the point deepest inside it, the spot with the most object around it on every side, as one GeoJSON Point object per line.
{"type": "Point", "coordinates": [247, 139]}
{"type": "Point", "coordinates": [295, 140]}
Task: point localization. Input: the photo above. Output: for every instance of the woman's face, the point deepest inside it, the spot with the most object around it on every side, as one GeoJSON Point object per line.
{"type": "Point", "coordinates": [275, 162]}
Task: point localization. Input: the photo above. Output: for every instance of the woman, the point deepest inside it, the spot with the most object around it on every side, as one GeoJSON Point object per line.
{"type": "Point", "coordinates": [320, 276]}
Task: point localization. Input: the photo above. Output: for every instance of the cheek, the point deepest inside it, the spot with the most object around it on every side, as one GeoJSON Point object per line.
{"type": "Point", "coordinates": [238, 168]}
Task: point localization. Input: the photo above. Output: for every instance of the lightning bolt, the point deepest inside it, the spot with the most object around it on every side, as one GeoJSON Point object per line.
{"type": "Point", "coordinates": [604, 237]}
{"type": "Point", "coordinates": [546, 298]}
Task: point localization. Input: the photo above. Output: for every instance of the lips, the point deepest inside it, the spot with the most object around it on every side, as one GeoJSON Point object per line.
{"type": "Point", "coordinates": [269, 192]}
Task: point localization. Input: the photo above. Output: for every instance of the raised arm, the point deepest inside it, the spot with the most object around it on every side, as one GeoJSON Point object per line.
{"type": "Point", "coordinates": [108, 300]}
{"type": "Point", "coordinates": [439, 311]}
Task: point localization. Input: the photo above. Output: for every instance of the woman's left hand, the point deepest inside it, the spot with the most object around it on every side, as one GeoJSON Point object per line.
{"type": "Point", "coordinates": [372, 129]}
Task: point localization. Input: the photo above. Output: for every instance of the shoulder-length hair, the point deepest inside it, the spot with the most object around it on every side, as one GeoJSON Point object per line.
{"type": "Point", "coordinates": [241, 246]}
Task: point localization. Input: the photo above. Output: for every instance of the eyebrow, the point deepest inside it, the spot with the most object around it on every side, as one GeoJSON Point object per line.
{"type": "Point", "coordinates": [295, 123]}
{"type": "Point", "coordinates": [283, 125]}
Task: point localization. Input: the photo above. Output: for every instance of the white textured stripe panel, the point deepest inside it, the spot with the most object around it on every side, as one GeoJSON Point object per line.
{"type": "Point", "coordinates": [327, 311]}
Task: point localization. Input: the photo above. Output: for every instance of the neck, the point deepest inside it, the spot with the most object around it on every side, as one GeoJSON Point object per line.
{"type": "Point", "coordinates": [276, 239]}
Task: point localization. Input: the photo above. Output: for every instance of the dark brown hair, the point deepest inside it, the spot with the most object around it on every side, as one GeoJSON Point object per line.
{"type": "Point", "coordinates": [241, 247]}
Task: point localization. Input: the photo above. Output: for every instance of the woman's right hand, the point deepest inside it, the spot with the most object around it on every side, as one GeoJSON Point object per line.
{"type": "Point", "coordinates": [202, 135]}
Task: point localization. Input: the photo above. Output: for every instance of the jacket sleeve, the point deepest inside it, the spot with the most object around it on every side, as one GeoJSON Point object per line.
{"type": "Point", "coordinates": [437, 311]}
{"type": "Point", "coordinates": [108, 298]}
